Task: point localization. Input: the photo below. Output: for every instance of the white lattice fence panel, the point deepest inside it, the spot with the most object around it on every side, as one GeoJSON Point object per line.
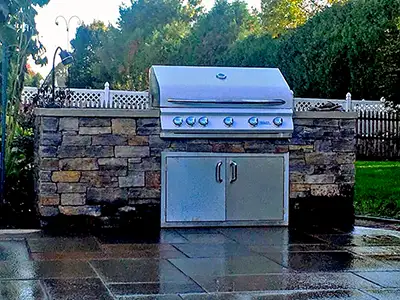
{"type": "Point", "coordinates": [27, 94]}
{"type": "Point", "coordinates": [369, 105]}
{"type": "Point", "coordinates": [304, 104]}
{"type": "Point", "coordinates": [85, 98]}
{"type": "Point", "coordinates": [129, 100]}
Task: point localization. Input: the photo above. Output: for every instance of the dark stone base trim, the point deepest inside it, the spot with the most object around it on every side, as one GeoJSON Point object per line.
{"type": "Point", "coordinates": [145, 217]}
{"type": "Point", "coordinates": [323, 212]}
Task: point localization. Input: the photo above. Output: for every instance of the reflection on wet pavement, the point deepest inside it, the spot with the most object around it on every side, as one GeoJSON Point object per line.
{"type": "Point", "coordinates": [63, 244]}
{"type": "Point", "coordinates": [327, 262]}
{"type": "Point", "coordinates": [287, 295]}
{"type": "Point", "coordinates": [195, 264]}
{"type": "Point", "coordinates": [17, 290]}
{"type": "Point", "coordinates": [386, 294]}
{"type": "Point", "coordinates": [227, 266]}
{"type": "Point", "coordinates": [13, 251]}
{"type": "Point", "coordinates": [385, 279]}
{"type": "Point", "coordinates": [133, 289]}
{"type": "Point", "coordinates": [45, 269]}
{"type": "Point", "coordinates": [76, 289]}
{"type": "Point", "coordinates": [273, 282]}
{"type": "Point", "coordinates": [138, 270]}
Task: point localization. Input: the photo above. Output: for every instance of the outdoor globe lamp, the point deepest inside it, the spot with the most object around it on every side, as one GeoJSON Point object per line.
{"type": "Point", "coordinates": [66, 59]}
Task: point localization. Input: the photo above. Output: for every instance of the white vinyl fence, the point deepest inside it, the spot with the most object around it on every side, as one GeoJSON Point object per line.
{"type": "Point", "coordinates": [106, 98]}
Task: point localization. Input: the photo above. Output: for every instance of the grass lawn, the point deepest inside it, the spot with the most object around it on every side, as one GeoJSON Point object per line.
{"type": "Point", "coordinates": [378, 189]}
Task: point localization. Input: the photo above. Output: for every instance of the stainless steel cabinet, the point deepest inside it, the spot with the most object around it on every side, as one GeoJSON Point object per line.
{"type": "Point", "coordinates": [195, 189]}
{"type": "Point", "coordinates": [200, 189]}
{"type": "Point", "coordinates": [255, 189]}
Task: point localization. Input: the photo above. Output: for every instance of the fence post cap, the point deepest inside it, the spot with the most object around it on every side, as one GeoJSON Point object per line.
{"type": "Point", "coordinates": [107, 85]}
{"type": "Point", "coordinates": [348, 96]}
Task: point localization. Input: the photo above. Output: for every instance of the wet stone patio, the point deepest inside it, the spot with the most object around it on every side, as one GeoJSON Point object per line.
{"type": "Point", "coordinates": [196, 264]}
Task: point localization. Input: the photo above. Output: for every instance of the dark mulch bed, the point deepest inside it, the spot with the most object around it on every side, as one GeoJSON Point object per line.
{"type": "Point", "coordinates": [22, 216]}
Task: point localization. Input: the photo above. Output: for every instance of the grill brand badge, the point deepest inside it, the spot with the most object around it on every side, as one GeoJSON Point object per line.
{"type": "Point", "coordinates": [221, 76]}
{"type": "Point", "coordinates": [265, 122]}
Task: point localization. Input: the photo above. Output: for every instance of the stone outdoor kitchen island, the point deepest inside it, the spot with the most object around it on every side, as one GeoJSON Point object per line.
{"type": "Point", "coordinates": [105, 165]}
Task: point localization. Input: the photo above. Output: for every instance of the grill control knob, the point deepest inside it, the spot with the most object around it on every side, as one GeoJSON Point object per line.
{"type": "Point", "coordinates": [253, 121]}
{"type": "Point", "coordinates": [178, 121]}
{"type": "Point", "coordinates": [278, 121]}
{"type": "Point", "coordinates": [203, 121]}
{"type": "Point", "coordinates": [191, 121]}
{"type": "Point", "coordinates": [228, 121]}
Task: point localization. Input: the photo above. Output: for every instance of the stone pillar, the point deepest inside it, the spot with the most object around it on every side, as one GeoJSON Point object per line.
{"type": "Point", "coordinates": [322, 171]}
{"type": "Point", "coordinates": [97, 166]}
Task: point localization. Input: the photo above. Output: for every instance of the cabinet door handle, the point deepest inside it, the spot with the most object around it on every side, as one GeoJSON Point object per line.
{"type": "Point", "coordinates": [234, 170]}
{"type": "Point", "coordinates": [218, 172]}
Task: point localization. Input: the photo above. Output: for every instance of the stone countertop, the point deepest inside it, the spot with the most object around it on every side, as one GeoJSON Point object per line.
{"type": "Point", "coordinates": [97, 112]}
{"type": "Point", "coordinates": [325, 115]}
{"type": "Point", "coordinates": [154, 113]}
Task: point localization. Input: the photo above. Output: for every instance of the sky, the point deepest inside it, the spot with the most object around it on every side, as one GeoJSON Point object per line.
{"type": "Point", "coordinates": [52, 35]}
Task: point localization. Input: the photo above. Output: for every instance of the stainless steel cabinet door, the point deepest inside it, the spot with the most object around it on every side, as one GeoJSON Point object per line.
{"type": "Point", "coordinates": [255, 188]}
{"type": "Point", "coordinates": [195, 189]}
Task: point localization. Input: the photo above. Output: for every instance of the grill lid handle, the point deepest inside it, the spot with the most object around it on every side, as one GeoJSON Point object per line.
{"type": "Point", "coordinates": [214, 101]}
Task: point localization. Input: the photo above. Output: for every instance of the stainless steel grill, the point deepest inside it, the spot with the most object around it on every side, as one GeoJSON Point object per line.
{"type": "Point", "coordinates": [218, 102]}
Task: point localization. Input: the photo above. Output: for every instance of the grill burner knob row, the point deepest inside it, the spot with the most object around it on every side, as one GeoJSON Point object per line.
{"type": "Point", "coordinates": [203, 121]}
{"type": "Point", "coordinates": [191, 121]}
{"type": "Point", "coordinates": [278, 121]}
{"type": "Point", "coordinates": [228, 121]}
{"type": "Point", "coordinates": [178, 121]}
{"type": "Point", "coordinates": [253, 121]}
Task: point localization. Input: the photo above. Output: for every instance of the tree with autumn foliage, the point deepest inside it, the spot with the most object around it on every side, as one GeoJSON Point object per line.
{"type": "Point", "coordinates": [279, 16]}
{"type": "Point", "coordinates": [32, 78]}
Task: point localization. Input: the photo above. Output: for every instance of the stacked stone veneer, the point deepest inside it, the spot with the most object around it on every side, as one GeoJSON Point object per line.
{"type": "Point", "coordinates": [107, 165]}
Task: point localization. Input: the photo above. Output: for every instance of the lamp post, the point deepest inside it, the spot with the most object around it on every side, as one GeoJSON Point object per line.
{"type": "Point", "coordinates": [67, 24]}
{"type": "Point", "coordinates": [66, 59]}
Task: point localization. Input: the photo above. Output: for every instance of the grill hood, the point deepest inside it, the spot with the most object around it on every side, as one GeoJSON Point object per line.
{"type": "Point", "coordinates": [179, 86]}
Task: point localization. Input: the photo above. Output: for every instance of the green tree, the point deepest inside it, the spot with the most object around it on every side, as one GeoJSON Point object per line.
{"type": "Point", "coordinates": [215, 32]}
{"type": "Point", "coordinates": [145, 16]}
{"type": "Point", "coordinates": [351, 47]}
{"type": "Point", "coordinates": [85, 45]}
{"type": "Point", "coordinates": [254, 51]}
{"type": "Point", "coordinates": [148, 32]}
{"type": "Point", "coordinates": [160, 48]}
{"type": "Point", "coordinates": [151, 31]}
